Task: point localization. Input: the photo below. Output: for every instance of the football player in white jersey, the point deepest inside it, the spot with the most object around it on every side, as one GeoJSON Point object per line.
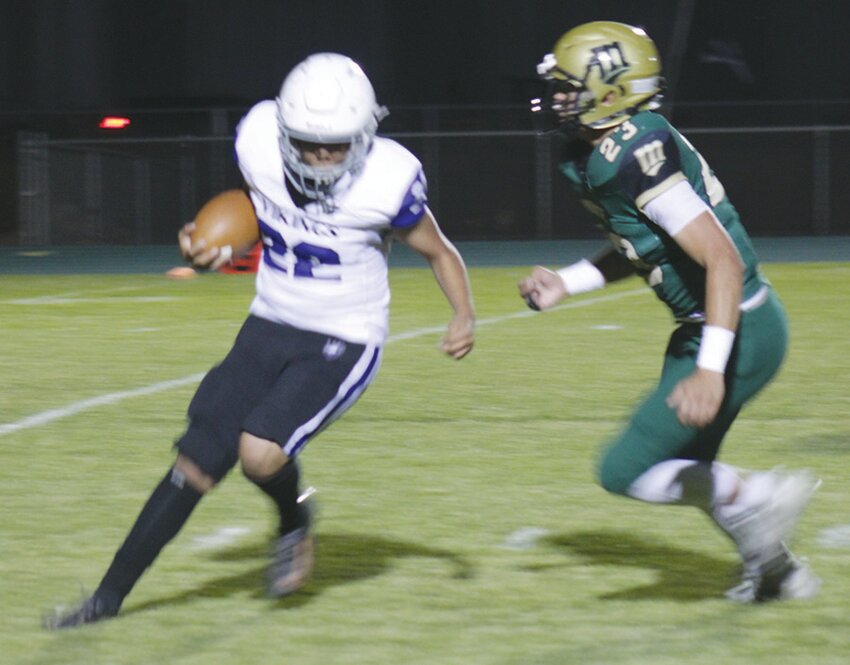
{"type": "Point", "coordinates": [330, 197]}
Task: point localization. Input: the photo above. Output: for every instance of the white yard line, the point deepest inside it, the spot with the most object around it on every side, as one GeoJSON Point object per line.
{"type": "Point", "coordinates": [69, 296]}
{"type": "Point", "coordinates": [74, 408]}
{"type": "Point", "coordinates": [47, 300]}
{"type": "Point", "coordinates": [45, 417]}
{"type": "Point", "coordinates": [523, 314]}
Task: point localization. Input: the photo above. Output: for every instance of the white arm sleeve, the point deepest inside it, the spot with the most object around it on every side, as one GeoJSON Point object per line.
{"type": "Point", "coordinates": [674, 209]}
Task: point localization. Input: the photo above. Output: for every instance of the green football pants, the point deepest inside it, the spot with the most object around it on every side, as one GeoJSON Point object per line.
{"type": "Point", "coordinates": [654, 433]}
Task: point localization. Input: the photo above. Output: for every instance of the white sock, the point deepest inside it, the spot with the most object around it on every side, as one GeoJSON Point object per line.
{"type": "Point", "coordinates": [701, 484]}
{"type": "Point", "coordinates": [754, 490]}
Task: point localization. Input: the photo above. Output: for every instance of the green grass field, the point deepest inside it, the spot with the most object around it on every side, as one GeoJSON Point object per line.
{"type": "Point", "coordinates": [459, 521]}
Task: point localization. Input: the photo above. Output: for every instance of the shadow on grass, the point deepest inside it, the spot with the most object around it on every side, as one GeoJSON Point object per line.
{"type": "Point", "coordinates": [682, 575]}
{"type": "Point", "coordinates": [823, 444]}
{"type": "Point", "coordinates": [340, 559]}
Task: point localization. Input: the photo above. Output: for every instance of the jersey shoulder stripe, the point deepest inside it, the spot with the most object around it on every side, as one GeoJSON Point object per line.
{"type": "Point", "coordinates": [392, 183]}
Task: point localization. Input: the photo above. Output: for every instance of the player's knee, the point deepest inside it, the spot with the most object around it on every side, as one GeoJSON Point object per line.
{"type": "Point", "coordinates": [260, 458]}
{"type": "Point", "coordinates": [196, 478]}
{"type": "Point", "coordinates": [613, 475]}
{"type": "Point", "coordinates": [203, 445]}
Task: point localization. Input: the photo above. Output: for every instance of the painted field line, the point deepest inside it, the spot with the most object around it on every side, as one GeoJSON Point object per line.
{"type": "Point", "coordinates": [72, 409]}
{"type": "Point", "coordinates": [69, 296]}
{"type": "Point", "coordinates": [523, 314]}
{"type": "Point", "coordinates": [44, 300]}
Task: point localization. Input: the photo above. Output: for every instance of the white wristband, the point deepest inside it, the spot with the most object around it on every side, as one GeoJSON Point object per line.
{"type": "Point", "coordinates": [715, 347]}
{"type": "Point", "coordinates": [581, 277]}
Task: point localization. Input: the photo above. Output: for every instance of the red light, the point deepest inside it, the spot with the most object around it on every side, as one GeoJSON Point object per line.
{"type": "Point", "coordinates": [113, 122]}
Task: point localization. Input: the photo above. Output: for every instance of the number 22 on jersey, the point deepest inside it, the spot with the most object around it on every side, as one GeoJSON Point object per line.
{"type": "Point", "coordinates": [301, 260]}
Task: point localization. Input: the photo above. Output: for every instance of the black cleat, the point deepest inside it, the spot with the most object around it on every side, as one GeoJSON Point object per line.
{"type": "Point", "coordinates": [292, 556]}
{"type": "Point", "coordinates": [91, 610]}
{"type": "Point", "coordinates": [292, 563]}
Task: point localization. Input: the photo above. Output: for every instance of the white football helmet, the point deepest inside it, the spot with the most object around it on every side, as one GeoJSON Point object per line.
{"type": "Point", "coordinates": [326, 99]}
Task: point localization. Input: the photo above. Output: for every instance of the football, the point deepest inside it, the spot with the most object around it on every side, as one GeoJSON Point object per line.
{"type": "Point", "coordinates": [228, 220]}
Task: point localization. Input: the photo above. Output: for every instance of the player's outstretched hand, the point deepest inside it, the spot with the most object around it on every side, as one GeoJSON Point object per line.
{"type": "Point", "coordinates": [460, 336]}
{"type": "Point", "coordinates": [543, 289]}
{"type": "Point", "coordinates": [197, 253]}
{"type": "Point", "coordinates": [697, 398]}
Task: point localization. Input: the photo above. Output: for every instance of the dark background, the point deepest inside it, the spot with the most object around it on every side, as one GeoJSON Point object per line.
{"type": "Point", "coordinates": [95, 54]}
{"type": "Point", "coordinates": [762, 88]}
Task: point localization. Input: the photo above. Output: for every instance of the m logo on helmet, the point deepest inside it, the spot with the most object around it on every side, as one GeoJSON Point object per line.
{"type": "Point", "coordinates": [609, 60]}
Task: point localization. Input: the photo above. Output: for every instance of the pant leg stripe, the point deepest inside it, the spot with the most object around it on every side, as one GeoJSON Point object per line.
{"type": "Point", "coordinates": [350, 389]}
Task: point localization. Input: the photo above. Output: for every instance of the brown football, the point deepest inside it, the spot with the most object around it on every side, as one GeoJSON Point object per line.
{"type": "Point", "coordinates": [228, 218]}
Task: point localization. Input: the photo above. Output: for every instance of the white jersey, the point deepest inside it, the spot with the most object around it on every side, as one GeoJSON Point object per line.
{"type": "Point", "coordinates": [327, 271]}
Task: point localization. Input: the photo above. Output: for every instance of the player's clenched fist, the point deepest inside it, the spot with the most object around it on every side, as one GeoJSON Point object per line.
{"type": "Point", "coordinates": [543, 289]}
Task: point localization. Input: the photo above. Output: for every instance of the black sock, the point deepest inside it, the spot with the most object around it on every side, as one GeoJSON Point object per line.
{"type": "Point", "coordinates": [166, 511]}
{"type": "Point", "coordinates": [283, 490]}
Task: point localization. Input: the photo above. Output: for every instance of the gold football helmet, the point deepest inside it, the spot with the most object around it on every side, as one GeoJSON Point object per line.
{"type": "Point", "coordinates": [600, 74]}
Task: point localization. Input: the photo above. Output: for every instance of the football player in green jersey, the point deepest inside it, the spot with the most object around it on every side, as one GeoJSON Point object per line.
{"type": "Point", "coordinates": [669, 221]}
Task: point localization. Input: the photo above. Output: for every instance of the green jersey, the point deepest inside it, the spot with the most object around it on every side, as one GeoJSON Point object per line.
{"type": "Point", "coordinates": [644, 157]}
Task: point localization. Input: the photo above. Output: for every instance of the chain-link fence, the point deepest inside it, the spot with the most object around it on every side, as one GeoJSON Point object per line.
{"type": "Point", "coordinates": [491, 184]}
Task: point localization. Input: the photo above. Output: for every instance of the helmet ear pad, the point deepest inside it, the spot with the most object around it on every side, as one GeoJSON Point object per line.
{"type": "Point", "coordinates": [611, 96]}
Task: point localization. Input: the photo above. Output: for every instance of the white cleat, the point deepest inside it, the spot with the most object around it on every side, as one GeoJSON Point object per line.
{"type": "Point", "coordinates": [760, 530]}
{"type": "Point", "coordinates": [796, 582]}
{"type": "Point", "coordinates": [771, 572]}
{"type": "Point", "coordinates": [800, 583]}
{"type": "Point", "coordinates": [793, 580]}
{"type": "Point", "coordinates": [745, 593]}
